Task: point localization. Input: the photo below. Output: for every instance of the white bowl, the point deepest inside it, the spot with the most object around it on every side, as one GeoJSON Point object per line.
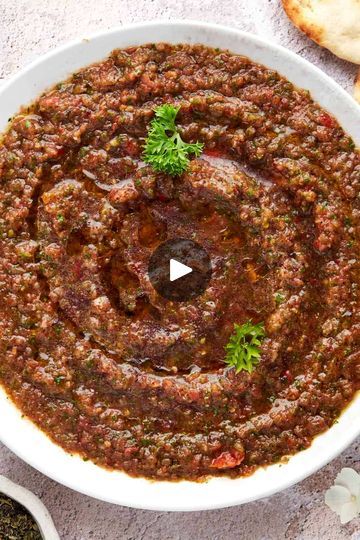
{"type": "Point", "coordinates": [33, 505]}
{"type": "Point", "coordinates": [34, 447]}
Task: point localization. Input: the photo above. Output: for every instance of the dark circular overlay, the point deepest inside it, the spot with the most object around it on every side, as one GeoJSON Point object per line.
{"type": "Point", "coordinates": [186, 252]}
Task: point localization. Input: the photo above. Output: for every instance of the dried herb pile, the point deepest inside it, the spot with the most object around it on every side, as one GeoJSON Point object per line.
{"type": "Point", "coordinates": [15, 521]}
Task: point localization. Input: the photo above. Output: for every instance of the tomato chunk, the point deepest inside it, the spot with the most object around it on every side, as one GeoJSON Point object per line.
{"type": "Point", "coordinates": [327, 120]}
{"type": "Point", "coordinates": [228, 460]}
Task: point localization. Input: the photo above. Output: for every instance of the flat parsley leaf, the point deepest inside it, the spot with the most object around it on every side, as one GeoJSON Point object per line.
{"type": "Point", "coordinates": [164, 148]}
{"type": "Point", "coordinates": [243, 348]}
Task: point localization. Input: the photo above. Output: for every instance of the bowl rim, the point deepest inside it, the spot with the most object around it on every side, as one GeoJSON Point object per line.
{"type": "Point", "coordinates": [95, 481]}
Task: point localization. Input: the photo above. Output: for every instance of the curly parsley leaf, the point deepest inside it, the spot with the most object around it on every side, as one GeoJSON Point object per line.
{"type": "Point", "coordinates": [164, 148]}
{"type": "Point", "coordinates": [243, 348]}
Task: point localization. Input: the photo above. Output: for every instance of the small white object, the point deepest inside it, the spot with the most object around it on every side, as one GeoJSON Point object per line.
{"type": "Point", "coordinates": [344, 496]}
{"type": "Point", "coordinates": [33, 505]}
{"type": "Point", "coordinates": [178, 270]}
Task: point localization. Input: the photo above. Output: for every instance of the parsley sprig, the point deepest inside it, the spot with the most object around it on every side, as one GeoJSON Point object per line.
{"type": "Point", "coordinates": [243, 348]}
{"type": "Point", "coordinates": [164, 148]}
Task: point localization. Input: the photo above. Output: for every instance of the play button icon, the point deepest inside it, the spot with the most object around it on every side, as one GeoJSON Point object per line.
{"type": "Point", "coordinates": [179, 269]}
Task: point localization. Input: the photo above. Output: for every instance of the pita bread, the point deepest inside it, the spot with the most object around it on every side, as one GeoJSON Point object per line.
{"type": "Point", "coordinates": [334, 24]}
{"type": "Point", "coordinates": [357, 87]}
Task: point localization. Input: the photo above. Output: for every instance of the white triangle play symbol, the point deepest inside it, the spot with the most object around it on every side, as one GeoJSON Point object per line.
{"type": "Point", "coordinates": [178, 270]}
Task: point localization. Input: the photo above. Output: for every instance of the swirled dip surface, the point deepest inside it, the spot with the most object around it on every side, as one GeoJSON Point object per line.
{"type": "Point", "coordinates": [91, 353]}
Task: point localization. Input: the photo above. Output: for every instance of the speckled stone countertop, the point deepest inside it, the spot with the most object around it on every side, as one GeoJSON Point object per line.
{"type": "Point", "coordinates": [29, 28]}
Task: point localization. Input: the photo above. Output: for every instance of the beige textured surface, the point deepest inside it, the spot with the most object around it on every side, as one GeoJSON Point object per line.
{"type": "Point", "coordinates": [29, 28]}
{"type": "Point", "coordinates": [357, 87]}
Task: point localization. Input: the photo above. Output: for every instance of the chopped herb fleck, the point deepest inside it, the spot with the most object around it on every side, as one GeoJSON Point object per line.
{"type": "Point", "coordinates": [279, 297]}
